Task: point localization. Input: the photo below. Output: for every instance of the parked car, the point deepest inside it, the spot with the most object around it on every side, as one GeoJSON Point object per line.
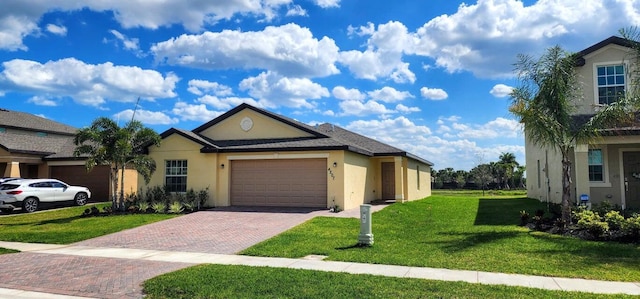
{"type": "Point", "coordinates": [31, 193]}
{"type": "Point", "coordinates": [4, 180]}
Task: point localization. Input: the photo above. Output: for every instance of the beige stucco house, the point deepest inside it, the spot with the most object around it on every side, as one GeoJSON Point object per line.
{"type": "Point", "coordinates": [35, 147]}
{"type": "Point", "coordinates": [610, 168]}
{"type": "Point", "coordinates": [252, 157]}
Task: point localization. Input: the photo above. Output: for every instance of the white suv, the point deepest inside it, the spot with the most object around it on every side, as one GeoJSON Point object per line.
{"type": "Point", "coordinates": [29, 194]}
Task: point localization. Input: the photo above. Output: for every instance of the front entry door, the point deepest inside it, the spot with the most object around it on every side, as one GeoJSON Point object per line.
{"type": "Point", "coordinates": [631, 162]}
{"type": "Point", "coordinates": [388, 180]}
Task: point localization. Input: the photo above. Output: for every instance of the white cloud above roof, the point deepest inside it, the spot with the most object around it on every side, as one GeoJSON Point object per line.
{"type": "Point", "coordinates": [273, 90]}
{"type": "Point", "coordinates": [87, 84]}
{"type": "Point", "coordinates": [289, 50]}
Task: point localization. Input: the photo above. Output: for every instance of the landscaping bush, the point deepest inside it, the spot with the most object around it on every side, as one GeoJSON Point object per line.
{"type": "Point", "coordinates": [614, 219]}
{"type": "Point", "coordinates": [158, 199]}
{"type": "Point", "coordinates": [588, 224]}
{"type": "Point", "coordinates": [591, 222]}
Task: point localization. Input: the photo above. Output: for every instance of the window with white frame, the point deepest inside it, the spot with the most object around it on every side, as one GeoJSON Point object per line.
{"type": "Point", "coordinates": [611, 83]}
{"type": "Point", "coordinates": [176, 175]}
{"type": "Point", "coordinates": [596, 165]}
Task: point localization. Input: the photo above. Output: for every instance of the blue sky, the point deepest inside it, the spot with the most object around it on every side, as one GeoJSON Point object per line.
{"type": "Point", "coordinates": [430, 77]}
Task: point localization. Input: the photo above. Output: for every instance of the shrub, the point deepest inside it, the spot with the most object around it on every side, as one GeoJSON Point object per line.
{"type": "Point", "coordinates": [614, 219]}
{"type": "Point", "coordinates": [158, 207]}
{"type": "Point", "coordinates": [591, 222]}
{"type": "Point", "coordinates": [203, 196]}
{"type": "Point", "coordinates": [176, 207]}
{"type": "Point", "coordinates": [524, 218]}
{"type": "Point", "coordinates": [143, 206]}
{"type": "Point", "coordinates": [631, 227]}
{"type": "Point", "coordinates": [605, 207]}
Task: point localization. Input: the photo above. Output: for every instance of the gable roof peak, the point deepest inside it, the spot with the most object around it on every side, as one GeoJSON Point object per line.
{"type": "Point", "coordinates": [615, 40]}
{"type": "Point", "coordinates": [291, 122]}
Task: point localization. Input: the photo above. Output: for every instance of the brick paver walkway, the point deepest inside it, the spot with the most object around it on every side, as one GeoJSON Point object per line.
{"type": "Point", "coordinates": [220, 230]}
{"type": "Point", "coordinates": [79, 276]}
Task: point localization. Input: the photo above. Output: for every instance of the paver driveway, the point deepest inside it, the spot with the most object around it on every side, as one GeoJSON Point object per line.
{"type": "Point", "coordinates": [221, 230]}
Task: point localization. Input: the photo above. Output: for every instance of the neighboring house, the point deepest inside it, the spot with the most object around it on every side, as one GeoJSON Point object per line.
{"type": "Point", "coordinates": [252, 157]}
{"type": "Point", "coordinates": [35, 147]}
{"type": "Point", "coordinates": [610, 168]}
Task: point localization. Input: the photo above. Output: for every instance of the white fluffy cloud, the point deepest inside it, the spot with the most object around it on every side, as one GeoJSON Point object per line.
{"type": "Point", "coordinates": [342, 93]}
{"type": "Point", "coordinates": [226, 103]}
{"type": "Point", "coordinates": [57, 30]}
{"type": "Point", "coordinates": [200, 87]}
{"type": "Point", "coordinates": [383, 56]}
{"type": "Point", "coordinates": [359, 108]}
{"type": "Point", "coordinates": [327, 3]}
{"type": "Point", "coordinates": [389, 94]}
{"type": "Point", "coordinates": [146, 117]}
{"type": "Point", "coordinates": [129, 44]}
{"type": "Point", "coordinates": [198, 112]}
{"type": "Point", "coordinates": [273, 90]}
{"type": "Point", "coordinates": [87, 84]}
{"type": "Point", "coordinates": [501, 90]}
{"type": "Point", "coordinates": [405, 134]}
{"type": "Point", "coordinates": [433, 93]}
{"type": "Point", "coordinates": [23, 17]}
{"type": "Point", "coordinates": [289, 50]}
{"type": "Point", "coordinates": [404, 109]}
{"type": "Point", "coordinates": [42, 101]}
{"type": "Point", "coordinates": [485, 37]}
{"type": "Point", "coordinates": [497, 128]}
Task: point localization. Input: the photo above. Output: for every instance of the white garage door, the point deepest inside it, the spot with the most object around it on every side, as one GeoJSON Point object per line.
{"type": "Point", "coordinates": [280, 183]}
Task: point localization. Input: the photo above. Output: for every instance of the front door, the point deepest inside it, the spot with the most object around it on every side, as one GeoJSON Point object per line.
{"type": "Point", "coordinates": [388, 180]}
{"type": "Point", "coordinates": [631, 162]}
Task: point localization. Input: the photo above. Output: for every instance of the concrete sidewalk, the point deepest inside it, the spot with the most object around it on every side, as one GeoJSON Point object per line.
{"type": "Point", "coordinates": [315, 263]}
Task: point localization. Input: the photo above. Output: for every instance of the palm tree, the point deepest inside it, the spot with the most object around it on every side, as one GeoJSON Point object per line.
{"type": "Point", "coordinates": [106, 143]}
{"type": "Point", "coordinates": [544, 103]}
{"type": "Point", "coordinates": [508, 164]}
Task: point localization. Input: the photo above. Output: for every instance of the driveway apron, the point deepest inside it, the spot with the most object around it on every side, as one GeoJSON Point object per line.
{"type": "Point", "coordinates": [220, 230]}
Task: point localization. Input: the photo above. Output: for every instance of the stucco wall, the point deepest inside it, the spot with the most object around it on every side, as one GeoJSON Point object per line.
{"type": "Point", "coordinates": [202, 170]}
{"type": "Point", "coordinates": [414, 189]}
{"type": "Point", "coordinates": [542, 163]}
{"type": "Point", "coordinates": [358, 180]}
{"type": "Point", "coordinates": [611, 54]}
{"type": "Point", "coordinates": [263, 128]}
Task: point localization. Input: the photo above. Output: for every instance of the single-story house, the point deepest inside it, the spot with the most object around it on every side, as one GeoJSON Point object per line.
{"type": "Point", "coordinates": [608, 169]}
{"type": "Point", "coordinates": [35, 147]}
{"type": "Point", "coordinates": [252, 157]}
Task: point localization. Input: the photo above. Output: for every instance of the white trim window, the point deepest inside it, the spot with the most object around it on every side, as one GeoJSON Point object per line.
{"type": "Point", "coordinates": [175, 176]}
{"type": "Point", "coordinates": [596, 165]}
{"type": "Point", "coordinates": [610, 80]}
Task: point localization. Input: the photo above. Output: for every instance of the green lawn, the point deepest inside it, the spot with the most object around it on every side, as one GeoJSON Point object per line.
{"type": "Point", "coordinates": [217, 281]}
{"type": "Point", "coordinates": [64, 226]}
{"type": "Point", "coordinates": [458, 232]}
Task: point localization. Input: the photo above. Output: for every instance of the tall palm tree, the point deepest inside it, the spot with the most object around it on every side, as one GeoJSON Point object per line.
{"type": "Point", "coordinates": [544, 103]}
{"type": "Point", "coordinates": [508, 164]}
{"type": "Point", "coordinates": [106, 143]}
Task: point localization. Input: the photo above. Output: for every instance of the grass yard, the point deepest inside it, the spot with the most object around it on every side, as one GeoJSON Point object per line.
{"type": "Point", "coordinates": [458, 232]}
{"type": "Point", "coordinates": [217, 281]}
{"type": "Point", "coordinates": [64, 226]}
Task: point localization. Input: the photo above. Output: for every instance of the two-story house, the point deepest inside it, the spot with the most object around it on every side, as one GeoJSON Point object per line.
{"type": "Point", "coordinates": [609, 169]}
{"type": "Point", "coordinates": [35, 147]}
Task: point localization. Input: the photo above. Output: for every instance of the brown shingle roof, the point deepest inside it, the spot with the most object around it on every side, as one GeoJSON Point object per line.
{"type": "Point", "coordinates": [32, 144]}
{"type": "Point", "coordinates": [324, 137]}
{"type": "Point", "coordinates": [26, 121]}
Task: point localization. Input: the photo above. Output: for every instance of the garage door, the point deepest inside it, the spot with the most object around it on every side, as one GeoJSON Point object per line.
{"type": "Point", "coordinates": [280, 183]}
{"type": "Point", "coordinates": [97, 180]}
